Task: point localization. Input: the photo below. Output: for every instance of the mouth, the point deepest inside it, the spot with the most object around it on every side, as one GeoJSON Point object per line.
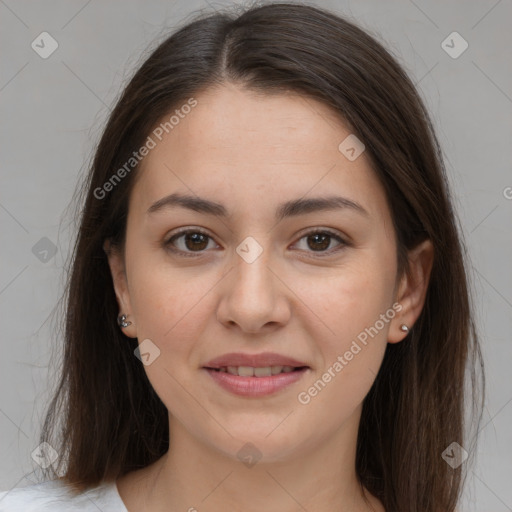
{"type": "Point", "coordinates": [255, 375]}
{"type": "Point", "coordinates": [262, 371]}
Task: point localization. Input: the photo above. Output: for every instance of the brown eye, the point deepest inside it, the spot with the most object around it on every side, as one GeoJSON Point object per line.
{"type": "Point", "coordinates": [189, 241]}
{"type": "Point", "coordinates": [319, 241]}
{"type": "Point", "coordinates": [322, 242]}
{"type": "Point", "coordinates": [195, 241]}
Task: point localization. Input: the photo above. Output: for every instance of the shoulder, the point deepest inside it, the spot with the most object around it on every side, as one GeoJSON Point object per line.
{"type": "Point", "coordinates": [54, 495]}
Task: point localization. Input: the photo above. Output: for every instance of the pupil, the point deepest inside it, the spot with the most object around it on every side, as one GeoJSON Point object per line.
{"type": "Point", "coordinates": [196, 238]}
{"type": "Point", "coordinates": [198, 241]}
{"type": "Point", "coordinates": [324, 242]}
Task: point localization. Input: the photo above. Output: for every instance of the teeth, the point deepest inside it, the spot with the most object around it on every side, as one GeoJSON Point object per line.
{"type": "Point", "coordinates": [249, 371]}
{"type": "Point", "coordinates": [263, 372]}
{"type": "Point", "coordinates": [246, 371]}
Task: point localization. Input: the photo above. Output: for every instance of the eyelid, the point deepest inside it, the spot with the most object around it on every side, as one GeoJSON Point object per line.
{"type": "Point", "coordinates": [183, 231]}
{"type": "Point", "coordinates": [343, 242]}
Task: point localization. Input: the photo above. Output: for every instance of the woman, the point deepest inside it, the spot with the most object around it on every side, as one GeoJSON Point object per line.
{"type": "Point", "coordinates": [268, 304]}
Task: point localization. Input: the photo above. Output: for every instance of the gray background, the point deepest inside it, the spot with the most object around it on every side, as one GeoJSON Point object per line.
{"type": "Point", "coordinates": [53, 110]}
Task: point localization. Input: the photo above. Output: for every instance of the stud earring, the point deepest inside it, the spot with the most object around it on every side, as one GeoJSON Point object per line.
{"type": "Point", "coordinates": [122, 322]}
{"type": "Point", "coordinates": [404, 328]}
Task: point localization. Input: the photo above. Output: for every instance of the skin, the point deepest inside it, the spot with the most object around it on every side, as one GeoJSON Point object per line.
{"type": "Point", "coordinates": [251, 153]}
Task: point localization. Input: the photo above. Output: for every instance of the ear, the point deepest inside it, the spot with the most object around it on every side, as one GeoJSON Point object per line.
{"type": "Point", "coordinates": [412, 290]}
{"type": "Point", "coordinates": [118, 272]}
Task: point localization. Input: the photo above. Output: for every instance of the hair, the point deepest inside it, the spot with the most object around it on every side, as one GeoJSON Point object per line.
{"type": "Point", "coordinates": [113, 422]}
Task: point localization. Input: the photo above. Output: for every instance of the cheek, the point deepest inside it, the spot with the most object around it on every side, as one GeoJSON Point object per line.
{"type": "Point", "coordinates": [355, 309]}
{"type": "Point", "coordinates": [351, 357]}
{"type": "Point", "coordinates": [348, 300]}
{"type": "Point", "coordinates": [170, 303]}
{"type": "Point", "coordinates": [172, 309]}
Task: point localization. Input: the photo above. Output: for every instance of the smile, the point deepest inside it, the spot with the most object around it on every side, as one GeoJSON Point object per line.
{"type": "Point", "coordinates": [256, 382]}
{"type": "Point", "coordinates": [249, 371]}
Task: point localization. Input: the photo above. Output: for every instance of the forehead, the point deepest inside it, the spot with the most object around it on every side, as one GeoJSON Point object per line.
{"type": "Point", "coordinates": [246, 149]}
{"type": "Point", "coordinates": [230, 117]}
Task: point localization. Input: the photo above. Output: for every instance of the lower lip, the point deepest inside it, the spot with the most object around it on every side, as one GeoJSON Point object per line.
{"type": "Point", "coordinates": [255, 386]}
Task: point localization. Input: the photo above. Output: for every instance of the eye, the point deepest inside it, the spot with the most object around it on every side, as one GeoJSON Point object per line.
{"type": "Point", "coordinates": [189, 241]}
{"type": "Point", "coordinates": [320, 241]}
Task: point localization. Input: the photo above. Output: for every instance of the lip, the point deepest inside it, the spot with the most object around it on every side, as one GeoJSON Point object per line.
{"type": "Point", "coordinates": [254, 360]}
{"type": "Point", "coordinates": [255, 386]}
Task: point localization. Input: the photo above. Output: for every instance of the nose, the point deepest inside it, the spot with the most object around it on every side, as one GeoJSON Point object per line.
{"type": "Point", "coordinates": [254, 298]}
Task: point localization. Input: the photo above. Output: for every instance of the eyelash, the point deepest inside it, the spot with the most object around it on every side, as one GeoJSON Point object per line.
{"type": "Point", "coordinates": [168, 244]}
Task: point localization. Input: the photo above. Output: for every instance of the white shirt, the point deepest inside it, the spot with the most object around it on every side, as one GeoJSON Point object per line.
{"type": "Point", "coordinates": [54, 496]}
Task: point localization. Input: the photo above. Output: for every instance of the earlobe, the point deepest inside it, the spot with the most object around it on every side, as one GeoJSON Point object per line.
{"type": "Point", "coordinates": [125, 319]}
{"type": "Point", "coordinates": [412, 290]}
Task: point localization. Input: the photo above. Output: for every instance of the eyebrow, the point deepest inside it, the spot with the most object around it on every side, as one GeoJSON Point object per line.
{"type": "Point", "coordinates": [291, 208]}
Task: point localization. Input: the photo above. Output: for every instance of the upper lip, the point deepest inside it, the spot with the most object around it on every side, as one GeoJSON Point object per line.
{"type": "Point", "coordinates": [255, 360]}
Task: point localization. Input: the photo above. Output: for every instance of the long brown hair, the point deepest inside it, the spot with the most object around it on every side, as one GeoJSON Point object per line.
{"type": "Point", "coordinates": [112, 421]}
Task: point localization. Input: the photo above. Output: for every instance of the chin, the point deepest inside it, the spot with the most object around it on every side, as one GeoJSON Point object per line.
{"type": "Point", "coordinates": [260, 445]}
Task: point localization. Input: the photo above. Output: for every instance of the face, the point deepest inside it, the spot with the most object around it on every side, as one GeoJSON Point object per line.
{"type": "Point", "coordinates": [267, 271]}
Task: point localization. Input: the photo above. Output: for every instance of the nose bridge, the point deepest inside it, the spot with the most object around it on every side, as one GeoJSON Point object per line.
{"type": "Point", "coordinates": [252, 296]}
{"type": "Point", "coordinates": [254, 276]}
{"type": "Point", "coordinates": [252, 280]}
